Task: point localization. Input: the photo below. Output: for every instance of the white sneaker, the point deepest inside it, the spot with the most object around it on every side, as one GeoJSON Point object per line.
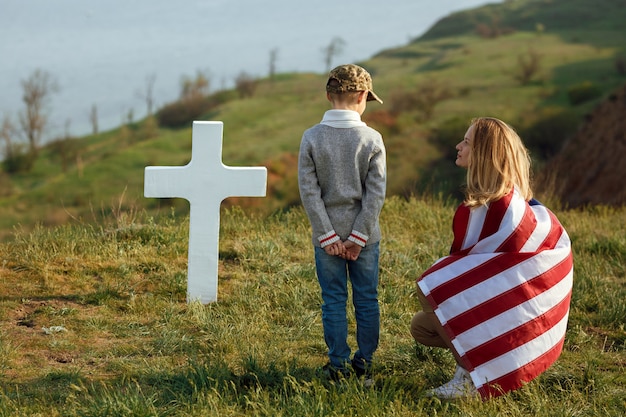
{"type": "Point", "coordinates": [369, 383]}
{"type": "Point", "coordinates": [461, 386]}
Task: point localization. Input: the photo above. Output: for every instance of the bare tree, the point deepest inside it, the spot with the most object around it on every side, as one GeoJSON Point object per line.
{"type": "Point", "coordinates": [334, 48]}
{"type": "Point", "coordinates": [7, 132]}
{"type": "Point", "coordinates": [36, 90]}
{"type": "Point", "coordinates": [148, 94]}
{"type": "Point", "coordinates": [245, 85]}
{"type": "Point", "coordinates": [194, 88]}
{"type": "Point", "coordinates": [65, 148]}
{"type": "Point", "coordinates": [129, 118]}
{"type": "Point", "coordinates": [423, 100]}
{"type": "Point", "coordinates": [17, 158]}
{"type": "Point", "coordinates": [93, 118]}
{"type": "Point", "coordinates": [528, 66]}
{"type": "Point", "coordinates": [273, 59]}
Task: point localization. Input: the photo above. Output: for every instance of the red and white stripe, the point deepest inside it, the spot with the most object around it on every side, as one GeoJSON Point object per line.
{"type": "Point", "coordinates": [503, 293]}
{"type": "Point", "coordinates": [358, 238]}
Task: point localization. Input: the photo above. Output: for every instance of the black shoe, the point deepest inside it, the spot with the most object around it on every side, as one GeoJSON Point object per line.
{"type": "Point", "coordinates": [363, 371]}
{"type": "Point", "coordinates": [361, 368]}
{"type": "Point", "coordinates": [335, 374]}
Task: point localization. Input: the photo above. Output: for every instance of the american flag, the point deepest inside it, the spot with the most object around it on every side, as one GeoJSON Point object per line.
{"type": "Point", "coordinates": [503, 293]}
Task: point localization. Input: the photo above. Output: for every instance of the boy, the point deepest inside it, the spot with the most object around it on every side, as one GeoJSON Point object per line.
{"type": "Point", "coordinates": [342, 180]}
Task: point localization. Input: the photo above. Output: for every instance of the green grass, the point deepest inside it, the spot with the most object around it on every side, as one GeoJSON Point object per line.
{"type": "Point", "coordinates": [133, 346]}
{"type": "Point", "coordinates": [84, 250]}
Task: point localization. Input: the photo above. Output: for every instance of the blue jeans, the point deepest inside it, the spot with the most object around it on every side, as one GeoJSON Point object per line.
{"type": "Point", "coordinates": [333, 273]}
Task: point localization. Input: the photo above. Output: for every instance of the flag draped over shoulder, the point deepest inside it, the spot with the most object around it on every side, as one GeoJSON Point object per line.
{"type": "Point", "coordinates": [503, 293]}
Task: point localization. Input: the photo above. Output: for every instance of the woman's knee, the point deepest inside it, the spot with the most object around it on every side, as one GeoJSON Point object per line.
{"type": "Point", "coordinates": [424, 331]}
{"type": "Point", "coordinates": [419, 327]}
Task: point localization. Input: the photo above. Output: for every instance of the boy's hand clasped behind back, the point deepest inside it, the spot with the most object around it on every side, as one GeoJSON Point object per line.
{"type": "Point", "coordinates": [346, 250]}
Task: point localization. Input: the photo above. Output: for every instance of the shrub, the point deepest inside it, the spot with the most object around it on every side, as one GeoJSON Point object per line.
{"type": "Point", "coordinates": [424, 99]}
{"type": "Point", "coordinates": [6, 187]}
{"type": "Point", "coordinates": [547, 135]}
{"type": "Point", "coordinates": [583, 92]}
{"type": "Point", "coordinates": [245, 85]}
{"type": "Point", "coordinates": [221, 97]}
{"type": "Point", "coordinates": [19, 159]}
{"type": "Point", "coordinates": [383, 121]}
{"type": "Point", "coordinates": [65, 150]}
{"type": "Point", "coordinates": [448, 134]}
{"type": "Point", "coordinates": [150, 128]}
{"type": "Point", "coordinates": [528, 66]}
{"type": "Point", "coordinates": [183, 112]}
{"type": "Point", "coordinates": [492, 30]}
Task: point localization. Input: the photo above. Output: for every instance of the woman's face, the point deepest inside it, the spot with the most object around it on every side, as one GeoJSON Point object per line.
{"type": "Point", "coordinates": [464, 148]}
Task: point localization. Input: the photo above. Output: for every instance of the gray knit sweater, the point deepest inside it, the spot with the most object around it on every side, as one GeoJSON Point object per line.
{"type": "Point", "coordinates": [342, 179]}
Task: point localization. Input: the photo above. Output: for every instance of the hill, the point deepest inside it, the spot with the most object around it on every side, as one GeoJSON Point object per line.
{"type": "Point", "coordinates": [542, 78]}
{"type": "Point", "coordinates": [567, 18]}
{"type": "Point", "coordinates": [589, 169]}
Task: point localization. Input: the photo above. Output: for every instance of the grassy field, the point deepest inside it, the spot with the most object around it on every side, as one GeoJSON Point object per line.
{"type": "Point", "coordinates": [93, 316]}
{"type": "Point", "coordinates": [94, 322]}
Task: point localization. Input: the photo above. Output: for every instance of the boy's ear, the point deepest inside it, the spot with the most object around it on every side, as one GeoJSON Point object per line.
{"type": "Point", "coordinates": [362, 95]}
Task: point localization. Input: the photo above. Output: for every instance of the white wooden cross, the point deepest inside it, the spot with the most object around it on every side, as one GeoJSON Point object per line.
{"type": "Point", "coordinates": [205, 181]}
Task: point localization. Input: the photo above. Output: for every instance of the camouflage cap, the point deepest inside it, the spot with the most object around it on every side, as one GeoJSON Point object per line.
{"type": "Point", "coordinates": [351, 77]}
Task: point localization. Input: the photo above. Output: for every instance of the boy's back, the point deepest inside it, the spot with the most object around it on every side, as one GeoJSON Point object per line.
{"type": "Point", "coordinates": [337, 166]}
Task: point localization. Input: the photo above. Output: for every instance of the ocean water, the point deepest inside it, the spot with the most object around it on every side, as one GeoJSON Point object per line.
{"type": "Point", "coordinates": [102, 53]}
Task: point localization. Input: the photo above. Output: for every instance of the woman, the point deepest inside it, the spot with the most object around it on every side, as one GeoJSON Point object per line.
{"type": "Point", "coordinates": [500, 300]}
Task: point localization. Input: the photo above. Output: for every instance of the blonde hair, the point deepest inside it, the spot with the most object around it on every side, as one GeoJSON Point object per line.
{"type": "Point", "coordinates": [498, 161]}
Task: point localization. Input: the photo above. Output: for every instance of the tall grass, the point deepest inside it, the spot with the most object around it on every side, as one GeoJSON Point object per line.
{"type": "Point", "coordinates": [132, 346]}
